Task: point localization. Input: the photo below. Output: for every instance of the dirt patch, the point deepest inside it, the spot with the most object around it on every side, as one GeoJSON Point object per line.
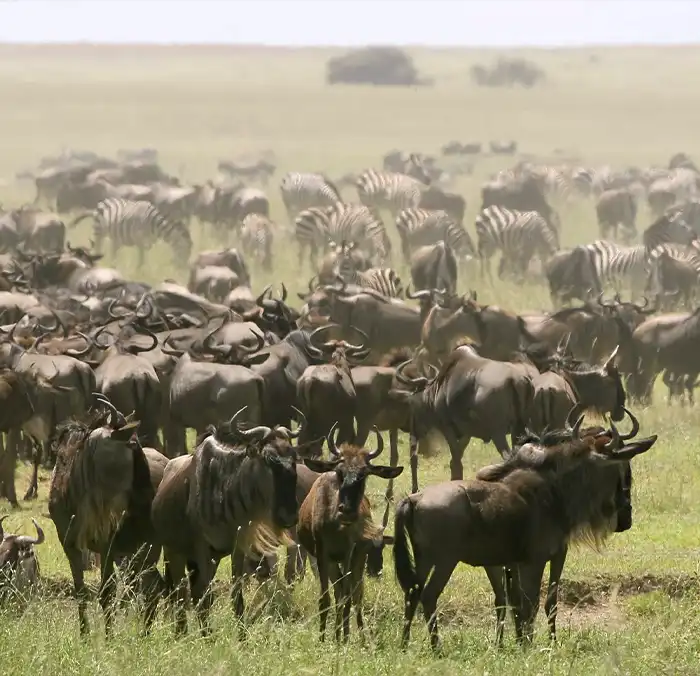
{"type": "Point", "coordinates": [601, 588]}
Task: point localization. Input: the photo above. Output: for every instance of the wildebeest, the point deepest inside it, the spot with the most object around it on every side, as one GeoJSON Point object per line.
{"type": "Point", "coordinates": [469, 397]}
{"type": "Point", "coordinates": [434, 267]}
{"type": "Point", "coordinates": [335, 526]}
{"type": "Point", "coordinates": [19, 568]}
{"type": "Point", "coordinates": [100, 499]}
{"type": "Point", "coordinates": [233, 496]}
{"type": "Point", "coordinates": [617, 208]}
{"type": "Point", "coordinates": [510, 515]}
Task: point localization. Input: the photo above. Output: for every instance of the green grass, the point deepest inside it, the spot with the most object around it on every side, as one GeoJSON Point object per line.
{"type": "Point", "coordinates": [631, 609]}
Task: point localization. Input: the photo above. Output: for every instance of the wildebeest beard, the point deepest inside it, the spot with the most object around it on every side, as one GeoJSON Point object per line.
{"type": "Point", "coordinates": [233, 496]}
{"type": "Point", "coordinates": [588, 518]}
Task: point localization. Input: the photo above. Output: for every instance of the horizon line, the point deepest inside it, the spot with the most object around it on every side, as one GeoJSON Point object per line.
{"type": "Point", "coordinates": [182, 43]}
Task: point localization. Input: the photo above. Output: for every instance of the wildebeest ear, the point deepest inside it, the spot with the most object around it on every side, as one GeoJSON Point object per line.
{"type": "Point", "coordinates": [320, 466]}
{"type": "Point", "coordinates": [385, 472]}
{"type": "Point", "coordinates": [628, 451]}
{"type": "Point", "coordinates": [124, 433]}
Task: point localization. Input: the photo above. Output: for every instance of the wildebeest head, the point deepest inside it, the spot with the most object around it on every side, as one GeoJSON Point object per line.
{"type": "Point", "coordinates": [352, 465]}
{"type": "Point", "coordinates": [19, 568]}
{"type": "Point", "coordinates": [338, 350]}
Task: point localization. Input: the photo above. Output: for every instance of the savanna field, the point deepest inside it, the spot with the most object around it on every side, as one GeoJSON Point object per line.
{"type": "Point", "coordinates": [630, 609]}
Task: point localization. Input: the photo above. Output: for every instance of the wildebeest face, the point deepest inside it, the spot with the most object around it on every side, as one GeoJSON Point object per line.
{"type": "Point", "coordinates": [623, 499]}
{"type": "Point", "coordinates": [284, 482]}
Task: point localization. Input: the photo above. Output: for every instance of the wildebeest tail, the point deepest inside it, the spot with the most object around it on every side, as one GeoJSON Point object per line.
{"type": "Point", "coordinates": [404, 564]}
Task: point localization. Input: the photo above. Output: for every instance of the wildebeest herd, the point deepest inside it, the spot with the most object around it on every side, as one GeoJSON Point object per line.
{"type": "Point", "coordinates": [101, 376]}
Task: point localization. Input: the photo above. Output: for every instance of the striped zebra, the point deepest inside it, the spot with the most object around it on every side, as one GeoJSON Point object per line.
{"type": "Point", "coordinates": [418, 227]}
{"type": "Point", "coordinates": [137, 223]}
{"type": "Point", "coordinates": [257, 235]}
{"type": "Point", "coordinates": [316, 228]}
{"type": "Point", "coordinates": [384, 281]}
{"type": "Point", "coordinates": [389, 190]}
{"type": "Point", "coordinates": [302, 191]}
{"type": "Point", "coordinates": [674, 274]}
{"type": "Point", "coordinates": [631, 265]}
{"type": "Point", "coordinates": [519, 235]}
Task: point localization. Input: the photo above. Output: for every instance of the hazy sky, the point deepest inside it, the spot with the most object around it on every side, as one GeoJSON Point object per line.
{"type": "Point", "coordinates": [351, 22]}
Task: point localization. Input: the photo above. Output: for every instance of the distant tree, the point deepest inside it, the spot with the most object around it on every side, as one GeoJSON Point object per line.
{"type": "Point", "coordinates": [375, 66]}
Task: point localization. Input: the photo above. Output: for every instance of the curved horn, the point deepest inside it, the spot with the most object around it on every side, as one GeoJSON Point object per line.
{"type": "Point", "coordinates": [135, 349]}
{"type": "Point", "coordinates": [332, 448]}
{"type": "Point", "coordinates": [260, 344]}
{"type": "Point", "coordinates": [167, 348]}
{"type": "Point", "coordinates": [635, 427]}
{"type": "Point", "coordinates": [411, 382]}
{"type": "Point", "coordinates": [286, 432]}
{"type": "Point", "coordinates": [259, 432]}
{"type": "Point", "coordinates": [27, 540]}
{"type": "Point", "coordinates": [96, 337]}
{"type": "Point", "coordinates": [2, 532]}
{"type": "Point", "coordinates": [576, 429]}
{"type": "Point", "coordinates": [259, 300]}
{"type": "Point", "coordinates": [116, 418]}
{"type": "Point", "coordinates": [80, 353]}
{"type": "Point", "coordinates": [39, 340]}
{"type": "Point", "coordinates": [609, 361]}
{"type": "Point", "coordinates": [602, 304]}
{"type": "Point", "coordinates": [418, 295]}
{"type": "Point", "coordinates": [380, 445]}
{"type": "Point", "coordinates": [615, 439]}
{"type": "Point", "coordinates": [320, 329]}
{"type": "Point", "coordinates": [283, 295]}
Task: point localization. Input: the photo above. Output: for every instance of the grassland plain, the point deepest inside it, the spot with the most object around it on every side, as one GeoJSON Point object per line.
{"type": "Point", "coordinates": [631, 609]}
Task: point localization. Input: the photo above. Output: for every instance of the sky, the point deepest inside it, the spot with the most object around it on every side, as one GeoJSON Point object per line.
{"type": "Point", "coordinates": [353, 22]}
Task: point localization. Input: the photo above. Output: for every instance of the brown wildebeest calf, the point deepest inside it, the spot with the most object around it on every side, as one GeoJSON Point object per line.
{"type": "Point", "coordinates": [335, 525]}
{"type": "Point", "coordinates": [511, 516]}
{"type": "Point", "coordinates": [19, 570]}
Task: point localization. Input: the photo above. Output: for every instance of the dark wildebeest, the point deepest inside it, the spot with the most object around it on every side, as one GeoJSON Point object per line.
{"type": "Point", "coordinates": [326, 392]}
{"type": "Point", "coordinates": [335, 526]}
{"type": "Point", "coordinates": [617, 208]}
{"type": "Point", "coordinates": [19, 569]}
{"type": "Point", "coordinates": [234, 495]}
{"type": "Point", "coordinates": [470, 397]}
{"type": "Point", "coordinates": [434, 267]}
{"type": "Point", "coordinates": [100, 499]}
{"type": "Point", "coordinates": [510, 516]}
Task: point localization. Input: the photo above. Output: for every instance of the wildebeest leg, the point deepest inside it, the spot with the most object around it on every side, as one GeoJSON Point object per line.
{"type": "Point", "coordinates": [108, 589]}
{"type": "Point", "coordinates": [75, 561]}
{"type": "Point", "coordinates": [339, 578]}
{"type": "Point", "coordinates": [393, 460]}
{"type": "Point", "coordinates": [33, 489]}
{"type": "Point", "coordinates": [457, 447]}
{"type": "Point", "coordinates": [357, 580]}
{"type": "Point", "coordinates": [202, 573]}
{"type": "Point", "coordinates": [496, 575]}
{"type": "Point", "coordinates": [413, 446]}
{"type": "Point", "coordinates": [143, 568]}
{"type": "Point", "coordinates": [237, 566]}
{"type": "Point", "coordinates": [177, 590]}
{"type": "Point", "coordinates": [556, 566]}
{"type": "Point", "coordinates": [429, 597]}
{"type": "Point", "coordinates": [324, 600]}
{"type": "Point", "coordinates": [529, 591]}
{"type": "Point", "coordinates": [501, 443]}
{"type": "Point", "coordinates": [9, 465]}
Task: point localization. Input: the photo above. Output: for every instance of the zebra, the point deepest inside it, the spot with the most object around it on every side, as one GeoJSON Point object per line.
{"type": "Point", "coordinates": [301, 191]}
{"type": "Point", "coordinates": [315, 228]}
{"type": "Point", "coordinates": [674, 274]}
{"type": "Point", "coordinates": [518, 234]}
{"type": "Point", "coordinates": [615, 266]}
{"type": "Point", "coordinates": [384, 281]}
{"type": "Point", "coordinates": [137, 223]}
{"type": "Point", "coordinates": [257, 238]}
{"type": "Point", "coordinates": [417, 227]}
{"type": "Point", "coordinates": [389, 190]}
{"type": "Point", "coordinates": [678, 185]}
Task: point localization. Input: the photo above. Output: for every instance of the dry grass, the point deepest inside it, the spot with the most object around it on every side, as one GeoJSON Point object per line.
{"type": "Point", "coordinates": [197, 105]}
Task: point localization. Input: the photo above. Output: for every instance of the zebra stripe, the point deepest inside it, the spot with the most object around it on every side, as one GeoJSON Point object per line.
{"type": "Point", "coordinates": [140, 224]}
{"type": "Point", "coordinates": [388, 190]}
{"type": "Point", "coordinates": [316, 228]}
{"type": "Point", "coordinates": [302, 191]}
{"type": "Point", "coordinates": [519, 235]}
{"type": "Point", "coordinates": [382, 280]}
{"type": "Point", "coordinates": [418, 227]}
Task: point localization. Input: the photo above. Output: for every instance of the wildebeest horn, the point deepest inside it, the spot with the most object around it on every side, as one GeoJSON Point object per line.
{"type": "Point", "coordinates": [418, 295]}
{"type": "Point", "coordinates": [362, 346]}
{"type": "Point", "coordinates": [635, 427]}
{"type": "Point", "coordinates": [609, 361]}
{"type": "Point", "coordinates": [259, 300]}
{"type": "Point", "coordinates": [380, 445]}
{"type": "Point", "coordinates": [135, 349]}
{"type": "Point", "coordinates": [283, 295]}
{"type": "Point", "coordinates": [577, 425]}
{"type": "Point", "coordinates": [235, 415]}
{"type": "Point", "coordinates": [615, 439]}
{"type": "Point", "coordinates": [286, 432]}
{"type": "Point", "coordinates": [81, 353]}
{"type": "Point", "coordinates": [602, 304]}
{"type": "Point", "coordinates": [116, 418]}
{"type": "Point", "coordinates": [320, 329]}
{"type": "Point", "coordinates": [332, 448]}
{"type": "Point", "coordinates": [2, 532]}
{"type": "Point", "coordinates": [419, 381]}
{"type": "Point", "coordinates": [26, 540]}
{"type": "Point", "coordinates": [259, 432]}
{"type": "Point", "coordinates": [260, 344]}
{"type": "Point", "coordinates": [96, 341]}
